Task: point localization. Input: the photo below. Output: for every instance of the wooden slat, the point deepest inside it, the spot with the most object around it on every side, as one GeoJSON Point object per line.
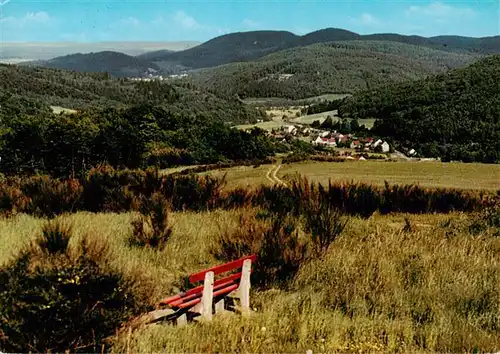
{"type": "Point", "coordinates": [222, 291]}
{"type": "Point", "coordinates": [198, 289]}
{"type": "Point", "coordinates": [221, 269]}
{"type": "Point", "coordinates": [194, 296]}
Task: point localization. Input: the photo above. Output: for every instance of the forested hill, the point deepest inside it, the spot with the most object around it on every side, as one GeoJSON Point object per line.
{"type": "Point", "coordinates": [336, 67]}
{"type": "Point", "coordinates": [252, 45]}
{"type": "Point", "coordinates": [455, 115]}
{"type": "Point", "coordinates": [114, 63]}
{"type": "Point", "coordinates": [43, 87]}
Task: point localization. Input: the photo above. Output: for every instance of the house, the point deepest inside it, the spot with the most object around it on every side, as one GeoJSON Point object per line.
{"type": "Point", "coordinates": [318, 141]}
{"type": "Point", "coordinates": [385, 147]}
{"type": "Point", "coordinates": [355, 144]}
{"type": "Point", "coordinates": [377, 143]}
{"type": "Point", "coordinates": [412, 152]}
{"type": "Point", "coordinates": [324, 134]}
{"type": "Point", "coordinates": [289, 129]}
{"type": "Point", "coordinates": [325, 141]}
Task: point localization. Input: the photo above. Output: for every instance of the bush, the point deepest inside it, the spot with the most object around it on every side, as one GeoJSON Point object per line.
{"type": "Point", "coordinates": [53, 298]}
{"type": "Point", "coordinates": [151, 228]}
{"type": "Point", "coordinates": [50, 197]}
{"type": "Point", "coordinates": [276, 242]}
{"type": "Point", "coordinates": [325, 224]}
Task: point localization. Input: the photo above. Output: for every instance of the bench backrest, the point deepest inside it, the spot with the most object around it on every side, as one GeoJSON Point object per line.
{"type": "Point", "coordinates": [200, 276]}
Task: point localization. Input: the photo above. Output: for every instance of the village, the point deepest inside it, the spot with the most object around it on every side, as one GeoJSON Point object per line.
{"type": "Point", "coordinates": [347, 145]}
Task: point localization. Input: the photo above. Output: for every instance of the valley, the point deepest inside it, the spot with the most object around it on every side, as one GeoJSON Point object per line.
{"type": "Point", "coordinates": [359, 173]}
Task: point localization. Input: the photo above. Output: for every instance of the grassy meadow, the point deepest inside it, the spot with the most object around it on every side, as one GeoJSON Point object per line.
{"type": "Point", "coordinates": [381, 286]}
{"type": "Point", "coordinates": [426, 174]}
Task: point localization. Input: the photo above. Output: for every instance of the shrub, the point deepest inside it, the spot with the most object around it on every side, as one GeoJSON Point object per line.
{"type": "Point", "coordinates": [50, 197]}
{"type": "Point", "coordinates": [488, 218]}
{"type": "Point", "coordinates": [12, 199]}
{"type": "Point", "coordinates": [151, 228]}
{"type": "Point", "coordinates": [54, 298]}
{"type": "Point", "coordinates": [280, 252]}
{"type": "Point", "coordinates": [55, 238]}
{"type": "Point", "coordinates": [325, 224]}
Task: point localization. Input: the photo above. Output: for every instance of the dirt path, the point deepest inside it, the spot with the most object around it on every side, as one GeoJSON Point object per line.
{"type": "Point", "coordinates": [268, 174]}
{"type": "Point", "coordinates": [271, 175]}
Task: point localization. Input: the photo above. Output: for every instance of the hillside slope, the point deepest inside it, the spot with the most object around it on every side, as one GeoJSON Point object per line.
{"type": "Point", "coordinates": [247, 46]}
{"type": "Point", "coordinates": [41, 87]}
{"type": "Point", "coordinates": [337, 67]}
{"type": "Point", "coordinates": [114, 63]}
{"type": "Point", "coordinates": [454, 115]}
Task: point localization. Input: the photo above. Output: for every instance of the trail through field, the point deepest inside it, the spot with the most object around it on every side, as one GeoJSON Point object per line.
{"type": "Point", "coordinates": [271, 175]}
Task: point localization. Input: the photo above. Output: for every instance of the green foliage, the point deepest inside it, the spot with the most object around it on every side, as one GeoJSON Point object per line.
{"type": "Point", "coordinates": [26, 90]}
{"type": "Point", "coordinates": [135, 137]}
{"type": "Point", "coordinates": [335, 67]}
{"type": "Point", "coordinates": [453, 115]}
{"type": "Point", "coordinates": [54, 298]}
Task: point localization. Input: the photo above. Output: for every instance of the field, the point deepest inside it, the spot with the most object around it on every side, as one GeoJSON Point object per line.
{"type": "Point", "coordinates": [378, 288]}
{"type": "Point", "coordinates": [426, 174]}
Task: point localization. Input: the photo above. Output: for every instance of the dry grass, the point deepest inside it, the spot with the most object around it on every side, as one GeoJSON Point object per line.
{"type": "Point", "coordinates": [426, 174]}
{"type": "Point", "coordinates": [381, 286]}
{"type": "Point", "coordinates": [243, 176]}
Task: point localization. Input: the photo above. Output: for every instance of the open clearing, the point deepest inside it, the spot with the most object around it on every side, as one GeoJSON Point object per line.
{"type": "Point", "coordinates": [57, 110]}
{"type": "Point", "coordinates": [426, 174]}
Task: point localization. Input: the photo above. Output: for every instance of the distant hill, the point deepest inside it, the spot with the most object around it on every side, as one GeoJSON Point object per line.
{"type": "Point", "coordinates": [234, 47]}
{"type": "Point", "coordinates": [455, 115]}
{"type": "Point", "coordinates": [40, 88]}
{"type": "Point", "coordinates": [336, 67]}
{"type": "Point", "coordinates": [248, 46]}
{"type": "Point", "coordinates": [49, 50]}
{"type": "Point", "coordinates": [114, 63]}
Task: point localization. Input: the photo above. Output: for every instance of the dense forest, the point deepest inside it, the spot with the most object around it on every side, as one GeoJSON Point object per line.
{"type": "Point", "coordinates": [114, 63]}
{"type": "Point", "coordinates": [338, 67]}
{"type": "Point", "coordinates": [135, 137]}
{"type": "Point", "coordinates": [455, 115]}
{"type": "Point", "coordinates": [99, 90]}
{"type": "Point", "coordinates": [120, 122]}
{"type": "Point", "coordinates": [252, 45]}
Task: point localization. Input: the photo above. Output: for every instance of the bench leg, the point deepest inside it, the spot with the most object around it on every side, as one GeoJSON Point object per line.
{"type": "Point", "coordinates": [182, 320]}
{"type": "Point", "coordinates": [207, 298]}
{"type": "Point", "coordinates": [244, 288]}
{"type": "Point", "coordinates": [219, 306]}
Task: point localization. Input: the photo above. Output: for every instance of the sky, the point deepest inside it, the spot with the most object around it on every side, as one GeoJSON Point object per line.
{"type": "Point", "coordinates": [201, 20]}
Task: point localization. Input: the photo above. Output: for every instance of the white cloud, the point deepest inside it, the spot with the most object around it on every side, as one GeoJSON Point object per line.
{"type": "Point", "coordinates": [439, 10]}
{"type": "Point", "coordinates": [366, 19]}
{"type": "Point", "coordinates": [185, 20]}
{"type": "Point", "coordinates": [30, 18]}
{"type": "Point", "coordinates": [247, 23]}
{"type": "Point", "coordinates": [126, 23]}
{"type": "Point", "coordinates": [4, 2]}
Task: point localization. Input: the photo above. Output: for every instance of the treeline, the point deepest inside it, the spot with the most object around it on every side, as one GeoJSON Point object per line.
{"type": "Point", "coordinates": [455, 116]}
{"type": "Point", "coordinates": [337, 67]}
{"type": "Point", "coordinates": [105, 189]}
{"type": "Point", "coordinates": [144, 135]}
{"type": "Point", "coordinates": [83, 91]}
{"type": "Point", "coordinates": [320, 107]}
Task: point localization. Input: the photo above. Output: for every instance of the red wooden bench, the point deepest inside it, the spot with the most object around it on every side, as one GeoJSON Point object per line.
{"type": "Point", "coordinates": [201, 299]}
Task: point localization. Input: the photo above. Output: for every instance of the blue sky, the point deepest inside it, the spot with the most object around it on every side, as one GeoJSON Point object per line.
{"type": "Point", "coordinates": [154, 20]}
